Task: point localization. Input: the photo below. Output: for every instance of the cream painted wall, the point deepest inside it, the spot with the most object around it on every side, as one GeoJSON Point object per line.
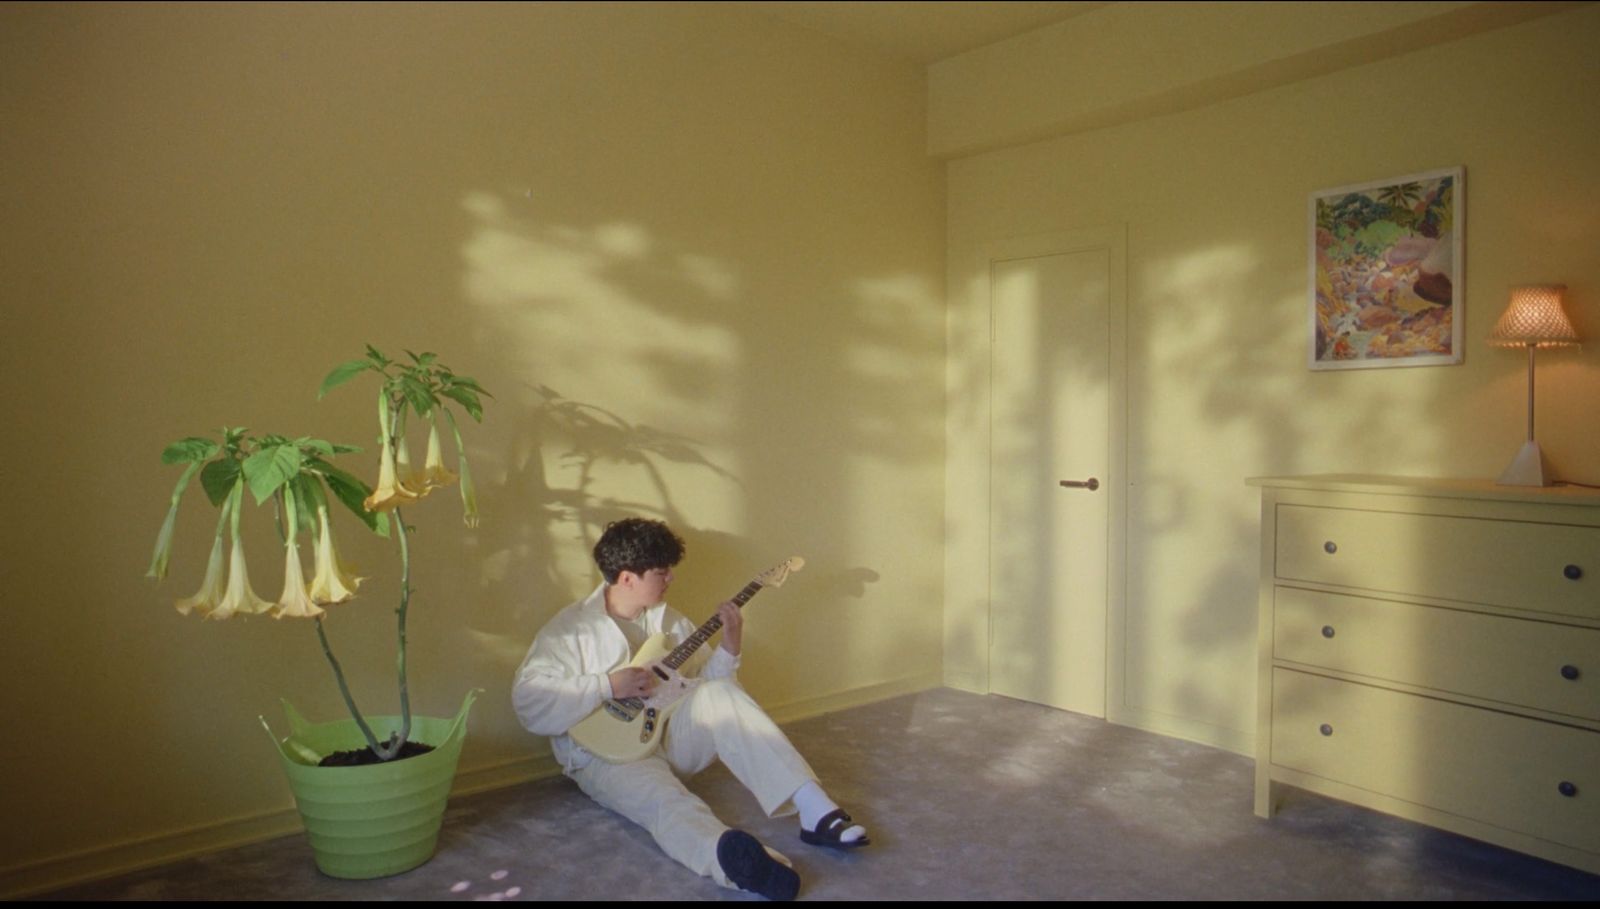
{"type": "Point", "coordinates": [696, 254]}
{"type": "Point", "coordinates": [1214, 201]}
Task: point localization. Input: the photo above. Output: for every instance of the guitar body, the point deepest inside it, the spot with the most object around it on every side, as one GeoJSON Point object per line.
{"type": "Point", "coordinates": [627, 729]}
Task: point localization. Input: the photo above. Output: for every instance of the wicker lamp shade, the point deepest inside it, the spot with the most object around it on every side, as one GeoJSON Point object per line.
{"type": "Point", "coordinates": [1534, 318]}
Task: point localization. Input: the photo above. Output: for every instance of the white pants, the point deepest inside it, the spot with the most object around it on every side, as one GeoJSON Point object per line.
{"type": "Point", "coordinates": [719, 720]}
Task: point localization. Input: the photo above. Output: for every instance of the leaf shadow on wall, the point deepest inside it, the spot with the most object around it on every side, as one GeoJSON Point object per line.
{"type": "Point", "coordinates": [759, 421]}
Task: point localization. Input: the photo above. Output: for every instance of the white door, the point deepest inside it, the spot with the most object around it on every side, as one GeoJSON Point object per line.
{"type": "Point", "coordinates": [1051, 421]}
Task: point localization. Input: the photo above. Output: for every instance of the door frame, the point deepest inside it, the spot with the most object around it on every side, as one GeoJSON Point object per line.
{"type": "Point", "coordinates": [1113, 239]}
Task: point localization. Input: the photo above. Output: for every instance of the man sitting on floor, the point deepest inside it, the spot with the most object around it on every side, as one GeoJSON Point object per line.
{"type": "Point", "coordinates": [579, 660]}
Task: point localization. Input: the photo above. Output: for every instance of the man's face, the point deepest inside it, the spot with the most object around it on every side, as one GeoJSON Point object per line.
{"type": "Point", "coordinates": [653, 585]}
{"type": "Point", "coordinates": [634, 593]}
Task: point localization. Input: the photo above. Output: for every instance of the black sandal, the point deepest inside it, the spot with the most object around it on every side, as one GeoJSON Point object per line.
{"type": "Point", "coordinates": [829, 830]}
{"type": "Point", "coordinates": [746, 863]}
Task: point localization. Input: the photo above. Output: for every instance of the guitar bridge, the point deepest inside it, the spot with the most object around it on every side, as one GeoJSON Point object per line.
{"type": "Point", "coordinates": [621, 710]}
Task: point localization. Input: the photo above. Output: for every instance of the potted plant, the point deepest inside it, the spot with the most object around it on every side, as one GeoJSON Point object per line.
{"type": "Point", "coordinates": [372, 806]}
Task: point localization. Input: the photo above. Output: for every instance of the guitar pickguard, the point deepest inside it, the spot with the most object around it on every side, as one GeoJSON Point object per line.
{"type": "Point", "coordinates": [627, 729]}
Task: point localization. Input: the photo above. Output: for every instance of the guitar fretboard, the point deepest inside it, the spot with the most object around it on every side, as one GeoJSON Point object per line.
{"type": "Point", "coordinates": [684, 651]}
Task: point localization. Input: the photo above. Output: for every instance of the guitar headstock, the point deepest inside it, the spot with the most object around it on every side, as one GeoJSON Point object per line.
{"type": "Point", "coordinates": [775, 576]}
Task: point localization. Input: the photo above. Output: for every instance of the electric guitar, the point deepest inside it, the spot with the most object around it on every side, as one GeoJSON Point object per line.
{"type": "Point", "coordinates": [627, 729]}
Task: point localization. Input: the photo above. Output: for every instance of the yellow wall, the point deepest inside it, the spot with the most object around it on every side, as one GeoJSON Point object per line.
{"type": "Point", "coordinates": [696, 254]}
{"type": "Point", "coordinates": [1214, 203]}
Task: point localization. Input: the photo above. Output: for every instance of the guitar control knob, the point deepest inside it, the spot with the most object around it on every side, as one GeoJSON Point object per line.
{"type": "Point", "coordinates": [1572, 572]}
{"type": "Point", "coordinates": [1330, 547]}
{"type": "Point", "coordinates": [1327, 631]}
{"type": "Point", "coordinates": [1326, 729]}
{"type": "Point", "coordinates": [1570, 672]}
{"type": "Point", "coordinates": [1567, 789]}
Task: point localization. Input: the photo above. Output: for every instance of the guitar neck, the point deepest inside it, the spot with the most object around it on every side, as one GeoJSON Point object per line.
{"type": "Point", "coordinates": [684, 651]}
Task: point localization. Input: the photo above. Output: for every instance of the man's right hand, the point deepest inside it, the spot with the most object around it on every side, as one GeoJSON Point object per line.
{"type": "Point", "coordinates": [631, 682]}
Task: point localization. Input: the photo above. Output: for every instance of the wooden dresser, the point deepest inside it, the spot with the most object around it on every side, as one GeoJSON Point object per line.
{"type": "Point", "coordinates": [1431, 649]}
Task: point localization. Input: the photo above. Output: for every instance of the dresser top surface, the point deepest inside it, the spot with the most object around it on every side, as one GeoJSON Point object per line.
{"type": "Point", "coordinates": [1432, 486]}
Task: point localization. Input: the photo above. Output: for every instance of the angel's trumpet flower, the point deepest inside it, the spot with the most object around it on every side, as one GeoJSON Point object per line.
{"type": "Point", "coordinates": [212, 588]}
{"type": "Point", "coordinates": [434, 474]}
{"type": "Point", "coordinates": [294, 603]}
{"type": "Point", "coordinates": [333, 583]}
{"type": "Point", "coordinates": [215, 586]}
{"type": "Point", "coordinates": [163, 553]}
{"type": "Point", "coordinates": [469, 493]}
{"type": "Point", "coordinates": [469, 497]}
{"type": "Point", "coordinates": [390, 493]}
{"type": "Point", "coordinates": [406, 475]}
{"type": "Point", "coordinates": [239, 599]}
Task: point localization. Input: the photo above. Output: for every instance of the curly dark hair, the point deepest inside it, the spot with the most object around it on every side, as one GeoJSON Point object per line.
{"type": "Point", "coordinates": [636, 545]}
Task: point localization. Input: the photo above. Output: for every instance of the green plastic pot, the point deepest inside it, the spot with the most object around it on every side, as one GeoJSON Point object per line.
{"type": "Point", "coordinates": [379, 819]}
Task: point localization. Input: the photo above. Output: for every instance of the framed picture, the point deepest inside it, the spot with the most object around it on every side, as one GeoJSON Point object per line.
{"type": "Point", "coordinates": [1386, 276]}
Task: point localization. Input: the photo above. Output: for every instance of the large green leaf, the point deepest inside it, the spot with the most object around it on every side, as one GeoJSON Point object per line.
{"type": "Point", "coordinates": [353, 493]}
{"type": "Point", "coordinates": [269, 468]}
{"type": "Point", "coordinates": [217, 479]}
{"type": "Point", "coordinates": [418, 394]}
{"type": "Point", "coordinates": [467, 398]}
{"type": "Point", "coordinates": [450, 379]}
{"type": "Point", "coordinates": [188, 451]}
{"type": "Point", "coordinates": [343, 373]}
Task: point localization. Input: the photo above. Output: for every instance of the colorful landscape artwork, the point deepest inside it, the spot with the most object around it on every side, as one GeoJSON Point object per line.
{"type": "Point", "coordinates": [1386, 272]}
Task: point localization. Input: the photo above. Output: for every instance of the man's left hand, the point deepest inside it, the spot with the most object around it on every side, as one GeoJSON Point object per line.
{"type": "Point", "coordinates": [732, 627]}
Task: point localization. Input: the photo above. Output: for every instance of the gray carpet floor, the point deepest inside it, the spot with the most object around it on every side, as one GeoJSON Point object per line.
{"type": "Point", "coordinates": [966, 797]}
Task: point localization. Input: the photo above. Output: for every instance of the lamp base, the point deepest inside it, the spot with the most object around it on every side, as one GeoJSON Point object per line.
{"type": "Point", "coordinates": [1528, 468]}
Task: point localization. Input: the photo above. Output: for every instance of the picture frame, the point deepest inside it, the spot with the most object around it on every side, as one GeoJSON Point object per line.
{"type": "Point", "coordinates": [1386, 272]}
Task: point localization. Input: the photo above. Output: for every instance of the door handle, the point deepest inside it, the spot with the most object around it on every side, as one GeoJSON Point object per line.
{"type": "Point", "coordinates": [1090, 484]}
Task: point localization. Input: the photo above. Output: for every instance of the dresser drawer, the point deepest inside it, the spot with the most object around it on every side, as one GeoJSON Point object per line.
{"type": "Point", "coordinates": [1552, 568]}
{"type": "Point", "coordinates": [1514, 661]}
{"type": "Point", "coordinates": [1501, 769]}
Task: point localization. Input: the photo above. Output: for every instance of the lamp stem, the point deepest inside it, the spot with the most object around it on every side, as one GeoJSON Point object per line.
{"type": "Point", "coordinates": [1530, 392]}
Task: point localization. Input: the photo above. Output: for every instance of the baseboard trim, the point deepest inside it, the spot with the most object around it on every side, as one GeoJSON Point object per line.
{"type": "Point", "coordinates": [1235, 740]}
{"type": "Point", "coordinates": [98, 863]}
{"type": "Point", "coordinates": [146, 852]}
{"type": "Point", "coordinates": [855, 697]}
{"type": "Point", "coordinates": [972, 682]}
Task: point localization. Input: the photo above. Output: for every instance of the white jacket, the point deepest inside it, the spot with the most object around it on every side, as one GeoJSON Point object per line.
{"type": "Point", "coordinates": [564, 676]}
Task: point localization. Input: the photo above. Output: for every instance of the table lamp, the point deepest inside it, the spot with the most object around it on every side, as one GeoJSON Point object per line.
{"type": "Point", "coordinates": [1533, 320]}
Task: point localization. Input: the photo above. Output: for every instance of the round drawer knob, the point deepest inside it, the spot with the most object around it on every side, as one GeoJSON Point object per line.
{"type": "Point", "coordinates": [1572, 572]}
{"type": "Point", "coordinates": [1570, 672]}
{"type": "Point", "coordinates": [1567, 789]}
{"type": "Point", "coordinates": [1327, 631]}
{"type": "Point", "coordinates": [1330, 548]}
{"type": "Point", "coordinates": [1328, 730]}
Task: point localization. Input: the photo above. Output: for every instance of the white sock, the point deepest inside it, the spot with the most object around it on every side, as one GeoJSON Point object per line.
{"type": "Point", "coordinates": [814, 805]}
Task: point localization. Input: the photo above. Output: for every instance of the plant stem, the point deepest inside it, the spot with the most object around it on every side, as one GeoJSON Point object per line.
{"type": "Point", "coordinates": [391, 748]}
{"type": "Point", "coordinates": [344, 689]}
{"type": "Point", "coordinates": [327, 649]}
{"type": "Point", "coordinates": [400, 655]}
